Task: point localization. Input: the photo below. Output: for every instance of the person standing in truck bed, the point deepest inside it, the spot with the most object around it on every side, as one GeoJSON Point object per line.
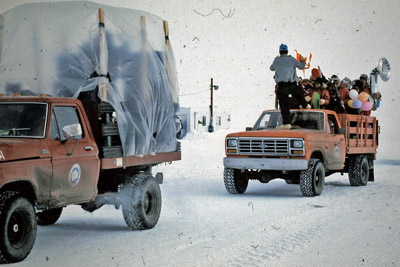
{"type": "Point", "coordinates": [286, 79]}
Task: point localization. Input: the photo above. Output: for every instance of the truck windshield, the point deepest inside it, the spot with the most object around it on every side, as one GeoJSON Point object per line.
{"type": "Point", "coordinates": [23, 120]}
{"type": "Point", "coordinates": [313, 120]}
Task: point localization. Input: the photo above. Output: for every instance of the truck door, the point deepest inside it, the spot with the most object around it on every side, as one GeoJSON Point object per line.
{"type": "Point", "coordinates": [336, 146]}
{"type": "Point", "coordinates": [75, 175]}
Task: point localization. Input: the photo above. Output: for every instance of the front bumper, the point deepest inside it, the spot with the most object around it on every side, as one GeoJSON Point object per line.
{"type": "Point", "coordinates": [266, 164]}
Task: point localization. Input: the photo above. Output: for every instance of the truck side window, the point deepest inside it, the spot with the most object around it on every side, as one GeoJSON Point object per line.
{"type": "Point", "coordinates": [332, 124]}
{"type": "Point", "coordinates": [264, 122]}
{"type": "Point", "coordinates": [62, 116]}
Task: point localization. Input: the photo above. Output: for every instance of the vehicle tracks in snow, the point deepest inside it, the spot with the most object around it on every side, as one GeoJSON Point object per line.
{"type": "Point", "coordinates": [262, 250]}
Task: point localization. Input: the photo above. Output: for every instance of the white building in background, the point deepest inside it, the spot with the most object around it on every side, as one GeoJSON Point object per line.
{"type": "Point", "coordinates": [198, 119]}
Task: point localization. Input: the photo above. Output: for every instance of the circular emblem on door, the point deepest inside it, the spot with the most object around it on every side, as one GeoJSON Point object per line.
{"type": "Point", "coordinates": [74, 175]}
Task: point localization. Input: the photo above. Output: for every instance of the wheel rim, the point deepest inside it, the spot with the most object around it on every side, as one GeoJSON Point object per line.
{"type": "Point", "coordinates": [149, 203]}
{"type": "Point", "coordinates": [318, 175]}
{"type": "Point", "coordinates": [146, 202]}
{"type": "Point", "coordinates": [17, 229]}
{"type": "Point", "coordinates": [364, 172]}
{"type": "Point", "coordinates": [319, 179]}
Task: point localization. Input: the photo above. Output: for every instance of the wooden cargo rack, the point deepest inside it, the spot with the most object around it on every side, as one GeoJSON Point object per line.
{"type": "Point", "coordinates": [361, 133]}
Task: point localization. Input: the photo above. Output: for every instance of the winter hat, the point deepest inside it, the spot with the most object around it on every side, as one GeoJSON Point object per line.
{"type": "Point", "coordinates": [334, 80]}
{"type": "Point", "coordinates": [315, 73]}
{"type": "Point", "coordinates": [319, 80]}
{"type": "Point", "coordinates": [347, 82]}
{"type": "Point", "coordinates": [364, 76]}
{"type": "Point", "coordinates": [283, 48]}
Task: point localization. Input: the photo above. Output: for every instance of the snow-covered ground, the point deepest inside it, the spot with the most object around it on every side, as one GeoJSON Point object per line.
{"type": "Point", "coordinates": [203, 225]}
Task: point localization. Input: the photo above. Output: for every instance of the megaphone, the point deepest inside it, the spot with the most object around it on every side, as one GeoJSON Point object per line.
{"type": "Point", "coordinates": [383, 70]}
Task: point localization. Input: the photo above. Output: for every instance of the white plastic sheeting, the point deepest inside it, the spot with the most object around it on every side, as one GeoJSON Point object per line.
{"type": "Point", "coordinates": [54, 49]}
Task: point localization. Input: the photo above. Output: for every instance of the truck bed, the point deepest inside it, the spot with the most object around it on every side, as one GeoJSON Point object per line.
{"type": "Point", "coordinates": [129, 161]}
{"type": "Point", "coordinates": [361, 133]}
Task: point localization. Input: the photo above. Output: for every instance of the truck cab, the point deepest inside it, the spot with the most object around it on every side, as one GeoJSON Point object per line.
{"type": "Point", "coordinates": [55, 169]}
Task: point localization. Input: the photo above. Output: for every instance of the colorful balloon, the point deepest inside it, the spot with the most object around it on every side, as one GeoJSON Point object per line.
{"type": "Point", "coordinates": [366, 106]}
{"type": "Point", "coordinates": [357, 103]}
{"type": "Point", "coordinates": [350, 103]}
{"type": "Point", "coordinates": [363, 97]}
{"type": "Point", "coordinates": [353, 94]}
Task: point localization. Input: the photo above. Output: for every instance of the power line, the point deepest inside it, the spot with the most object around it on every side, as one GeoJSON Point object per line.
{"type": "Point", "coordinates": [196, 92]}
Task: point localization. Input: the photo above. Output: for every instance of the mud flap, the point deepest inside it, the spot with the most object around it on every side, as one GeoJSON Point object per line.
{"type": "Point", "coordinates": [159, 177]}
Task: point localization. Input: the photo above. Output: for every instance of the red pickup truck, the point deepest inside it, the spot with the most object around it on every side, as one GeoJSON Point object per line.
{"type": "Point", "coordinates": [49, 158]}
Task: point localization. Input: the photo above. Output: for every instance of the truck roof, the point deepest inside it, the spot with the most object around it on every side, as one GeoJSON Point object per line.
{"type": "Point", "coordinates": [46, 99]}
{"type": "Point", "coordinates": [320, 110]}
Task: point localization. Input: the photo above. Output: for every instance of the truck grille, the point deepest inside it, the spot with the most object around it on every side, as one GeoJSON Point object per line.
{"type": "Point", "coordinates": [263, 146]}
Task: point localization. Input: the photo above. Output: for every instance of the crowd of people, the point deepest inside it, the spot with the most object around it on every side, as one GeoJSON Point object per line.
{"type": "Point", "coordinates": [331, 93]}
{"type": "Point", "coordinates": [318, 92]}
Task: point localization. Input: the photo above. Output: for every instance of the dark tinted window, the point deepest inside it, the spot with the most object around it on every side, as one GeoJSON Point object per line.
{"type": "Point", "coordinates": [298, 119]}
{"type": "Point", "coordinates": [62, 116]}
{"type": "Point", "coordinates": [26, 120]}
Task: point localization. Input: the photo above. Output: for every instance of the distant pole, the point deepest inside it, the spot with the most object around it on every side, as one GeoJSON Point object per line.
{"type": "Point", "coordinates": [211, 126]}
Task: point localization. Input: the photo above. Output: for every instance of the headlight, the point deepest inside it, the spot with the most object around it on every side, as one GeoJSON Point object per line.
{"type": "Point", "coordinates": [232, 143]}
{"type": "Point", "coordinates": [297, 143]}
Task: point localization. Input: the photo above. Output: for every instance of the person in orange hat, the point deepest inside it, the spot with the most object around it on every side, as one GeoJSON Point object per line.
{"type": "Point", "coordinates": [315, 73]}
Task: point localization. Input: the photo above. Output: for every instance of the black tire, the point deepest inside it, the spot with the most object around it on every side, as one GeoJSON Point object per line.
{"type": "Point", "coordinates": [48, 217]}
{"type": "Point", "coordinates": [358, 170]}
{"type": "Point", "coordinates": [141, 206]}
{"type": "Point", "coordinates": [18, 227]}
{"type": "Point", "coordinates": [312, 180]}
{"type": "Point", "coordinates": [235, 182]}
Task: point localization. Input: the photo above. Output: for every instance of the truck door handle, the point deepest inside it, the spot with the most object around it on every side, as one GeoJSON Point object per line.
{"type": "Point", "coordinates": [87, 148]}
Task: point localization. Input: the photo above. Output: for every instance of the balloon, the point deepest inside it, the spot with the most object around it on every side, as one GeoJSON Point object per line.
{"type": "Point", "coordinates": [366, 106]}
{"type": "Point", "coordinates": [363, 97]}
{"type": "Point", "coordinates": [353, 94]}
{"type": "Point", "coordinates": [357, 103]}
{"type": "Point", "coordinates": [350, 103]}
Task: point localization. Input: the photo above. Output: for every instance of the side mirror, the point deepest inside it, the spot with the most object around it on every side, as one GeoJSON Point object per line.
{"type": "Point", "coordinates": [342, 131]}
{"type": "Point", "coordinates": [73, 131]}
{"type": "Point", "coordinates": [248, 129]}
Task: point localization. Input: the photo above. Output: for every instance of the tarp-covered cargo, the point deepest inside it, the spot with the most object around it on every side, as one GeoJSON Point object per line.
{"type": "Point", "coordinates": [57, 49]}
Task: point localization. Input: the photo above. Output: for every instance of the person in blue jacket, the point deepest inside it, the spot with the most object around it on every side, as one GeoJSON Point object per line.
{"type": "Point", "coordinates": [286, 78]}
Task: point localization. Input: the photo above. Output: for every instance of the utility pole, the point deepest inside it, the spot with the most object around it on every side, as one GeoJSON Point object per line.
{"type": "Point", "coordinates": [211, 125]}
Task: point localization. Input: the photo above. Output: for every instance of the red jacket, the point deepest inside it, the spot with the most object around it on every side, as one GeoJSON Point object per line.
{"type": "Point", "coordinates": [344, 94]}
